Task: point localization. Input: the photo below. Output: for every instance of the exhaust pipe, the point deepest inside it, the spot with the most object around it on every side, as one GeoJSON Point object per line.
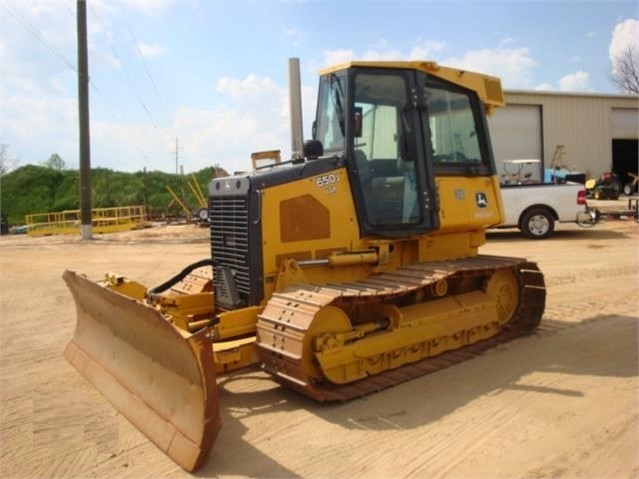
{"type": "Point", "coordinates": [295, 105]}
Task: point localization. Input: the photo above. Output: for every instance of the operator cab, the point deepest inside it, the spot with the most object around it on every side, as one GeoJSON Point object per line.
{"type": "Point", "coordinates": [398, 129]}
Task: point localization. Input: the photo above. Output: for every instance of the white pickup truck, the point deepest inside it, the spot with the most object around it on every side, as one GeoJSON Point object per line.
{"type": "Point", "coordinates": [535, 208]}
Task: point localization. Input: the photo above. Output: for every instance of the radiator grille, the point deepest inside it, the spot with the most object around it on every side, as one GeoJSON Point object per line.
{"type": "Point", "coordinates": [229, 219]}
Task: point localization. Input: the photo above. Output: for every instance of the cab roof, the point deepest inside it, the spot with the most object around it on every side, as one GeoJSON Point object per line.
{"type": "Point", "coordinates": [487, 87]}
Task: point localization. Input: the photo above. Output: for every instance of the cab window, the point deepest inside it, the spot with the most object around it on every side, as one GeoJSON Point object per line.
{"type": "Point", "coordinates": [330, 125]}
{"type": "Point", "coordinates": [453, 134]}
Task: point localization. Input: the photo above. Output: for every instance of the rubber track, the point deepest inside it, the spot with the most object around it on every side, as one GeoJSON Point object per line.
{"type": "Point", "coordinates": [288, 314]}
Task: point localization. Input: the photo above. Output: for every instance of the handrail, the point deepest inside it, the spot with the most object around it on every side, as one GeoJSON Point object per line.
{"type": "Point", "coordinates": [103, 220]}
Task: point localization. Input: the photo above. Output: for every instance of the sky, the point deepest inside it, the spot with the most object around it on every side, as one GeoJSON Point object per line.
{"type": "Point", "coordinates": [181, 85]}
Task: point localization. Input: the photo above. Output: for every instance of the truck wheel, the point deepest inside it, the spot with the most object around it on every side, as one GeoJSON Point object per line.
{"type": "Point", "coordinates": [627, 189]}
{"type": "Point", "coordinates": [537, 223]}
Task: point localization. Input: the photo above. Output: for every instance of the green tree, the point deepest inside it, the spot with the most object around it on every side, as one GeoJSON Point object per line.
{"type": "Point", "coordinates": [42, 189]}
{"type": "Point", "coordinates": [55, 162]}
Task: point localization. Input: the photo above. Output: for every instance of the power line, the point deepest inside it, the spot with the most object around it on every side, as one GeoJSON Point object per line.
{"type": "Point", "coordinates": [56, 25]}
{"type": "Point", "coordinates": [130, 81]}
{"type": "Point", "coordinates": [137, 45]}
{"type": "Point", "coordinates": [33, 30]}
{"type": "Point", "coordinates": [115, 115]}
{"type": "Point", "coordinates": [131, 85]}
{"type": "Point", "coordinates": [148, 71]}
{"type": "Point", "coordinates": [13, 11]}
{"type": "Point", "coordinates": [29, 27]}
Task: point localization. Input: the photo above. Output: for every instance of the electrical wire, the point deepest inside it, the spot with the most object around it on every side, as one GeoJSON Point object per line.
{"type": "Point", "coordinates": [105, 100]}
{"type": "Point", "coordinates": [56, 25]}
{"type": "Point", "coordinates": [137, 45]}
{"type": "Point", "coordinates": [21, 19]}
{"type": "Point", "coordinates": [29, 27]}
{"type": "Point", "coordinates": [153, 83]}
{"type": "Point", "coordinates": [130, 82]}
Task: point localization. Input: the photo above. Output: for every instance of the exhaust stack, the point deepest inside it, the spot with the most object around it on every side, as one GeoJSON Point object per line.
{"type": "Point", "coordinates": [295, 105]}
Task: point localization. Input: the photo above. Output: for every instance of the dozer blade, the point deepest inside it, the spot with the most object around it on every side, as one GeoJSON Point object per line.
{"type": "Point", "coordinates": [160, 379]}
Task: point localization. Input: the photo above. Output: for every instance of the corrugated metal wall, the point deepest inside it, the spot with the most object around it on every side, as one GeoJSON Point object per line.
{"type": "Point", "coordinates": [581, 122]}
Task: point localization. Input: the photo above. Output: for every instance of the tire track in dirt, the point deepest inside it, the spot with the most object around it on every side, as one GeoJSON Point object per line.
{"type": "Point", "coordinates": [495, 427]}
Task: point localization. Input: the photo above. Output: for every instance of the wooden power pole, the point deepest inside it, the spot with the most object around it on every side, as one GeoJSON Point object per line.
{"type": "Point", "coordinates": [83, 110]}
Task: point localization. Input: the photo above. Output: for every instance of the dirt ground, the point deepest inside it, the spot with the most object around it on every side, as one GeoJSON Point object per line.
{"type": "Point", "coordinates": [562, 403]}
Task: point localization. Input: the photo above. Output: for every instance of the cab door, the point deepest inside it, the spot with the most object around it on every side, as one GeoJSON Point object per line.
{"type": "Point", "coordinates": [394, 185]}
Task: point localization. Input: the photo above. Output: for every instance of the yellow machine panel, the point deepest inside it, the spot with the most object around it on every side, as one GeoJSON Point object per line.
{"type": "Point", "coordinates": [468, 203]}
{"type": "Point", "coordinates": [316, 218]}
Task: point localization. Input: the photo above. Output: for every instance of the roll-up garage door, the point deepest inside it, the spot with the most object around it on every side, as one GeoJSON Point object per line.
{"type": "Point", "coordinates": [624, 123]}
{"type": "Point", "coordinates": [515, 131]}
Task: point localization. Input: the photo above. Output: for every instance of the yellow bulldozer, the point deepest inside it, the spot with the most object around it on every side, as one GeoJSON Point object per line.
{"type": "Point", "coordinates": [350, 268]}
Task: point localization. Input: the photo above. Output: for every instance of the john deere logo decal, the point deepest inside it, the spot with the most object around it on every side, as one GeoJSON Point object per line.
{"type": "Point", "coordinates": [481, 200]}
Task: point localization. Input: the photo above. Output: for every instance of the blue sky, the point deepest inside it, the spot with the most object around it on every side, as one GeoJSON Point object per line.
{"type": "Point", "coordinates": [213, 74]}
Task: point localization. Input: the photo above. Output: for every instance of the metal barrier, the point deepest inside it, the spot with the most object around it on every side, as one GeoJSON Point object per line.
{"type": "Point", "coordinates": [103, 220]}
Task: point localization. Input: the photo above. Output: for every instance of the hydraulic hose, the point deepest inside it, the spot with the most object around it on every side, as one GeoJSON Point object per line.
{"type": "Point", "coordinates": [180, 276]}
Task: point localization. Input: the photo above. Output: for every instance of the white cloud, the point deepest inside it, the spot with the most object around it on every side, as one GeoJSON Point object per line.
{"type": "Point", "coordinates": [99, 13]}
{"type": "Point", "coordinates": [577, 81]}
{"type": "Point", "coordinates": [35, 114]}
{"type": "Point", "coordinates": [425, 49]}
{"type": "Point", "coordinates": [150, 7]}
{"type": "Point", "coordinates": [545, 87]}
{"type": "Point", "coordinates": [386, 55]}
{"type": "Point", "coordinates": [142, 144]}
{"type": "Point", "coordinates": [335, 57]}
{"type": "Point", "coordinates": [506, 41]}
{"type": "Point", "coordinates": [513, 65]}
{"type": "Point", "coordinates": [624, 36]}
{"type": "Point", "coordinates": [40, 96]}
{"type": "Point", "coordinates": [151, 51]}
{"type": "Point", "coordinates": [252, 116]}
{"type": "Point", "coordinates": [382, 50]}
{"type": "Point", "coordinates": [227, 136]}
{"type": "Point", "coordinates": [38, 40]}
{"type": "Point", "coordinates": [251, 87]}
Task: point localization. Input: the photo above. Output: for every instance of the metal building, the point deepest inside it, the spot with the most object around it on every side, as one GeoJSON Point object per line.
{"type": "Point", "coordinates": [594, 132]}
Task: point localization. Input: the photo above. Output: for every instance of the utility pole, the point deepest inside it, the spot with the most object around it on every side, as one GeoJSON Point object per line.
{"type": "Point", "coordinates": [83, 110]}
{"type": "Point", "coordinates": [176, 155]}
